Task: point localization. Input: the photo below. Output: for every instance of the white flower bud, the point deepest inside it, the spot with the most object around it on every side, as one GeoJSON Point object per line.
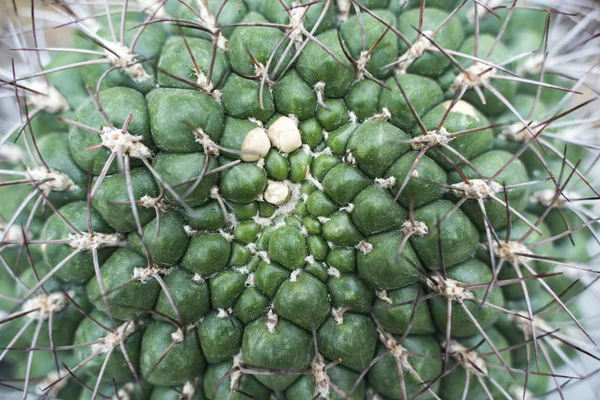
{"type": "Point", "coordinates": [284, 135]}
{"type": "Point", "coordinates": [256, 145]}
{"type": "Point", "coordinates": [276, 193]}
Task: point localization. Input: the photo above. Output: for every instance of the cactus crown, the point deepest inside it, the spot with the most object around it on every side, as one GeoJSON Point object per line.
{"type": "Point", "coordinates": [293, 199]}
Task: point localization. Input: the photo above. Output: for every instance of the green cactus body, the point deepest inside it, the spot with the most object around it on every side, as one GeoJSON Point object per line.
{"type": "Point", "coordinates": [294, 200]}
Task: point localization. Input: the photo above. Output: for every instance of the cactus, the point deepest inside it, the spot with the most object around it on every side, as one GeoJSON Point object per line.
{"type": "Point", "coordinates": [277, 199]}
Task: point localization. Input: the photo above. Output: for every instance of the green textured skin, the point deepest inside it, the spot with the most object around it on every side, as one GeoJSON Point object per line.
{"type": "Point", "coordinates": [353, 340]}
{"type": "Point", "coordinates": [179, 365]}
{"type": "Point", "coordinates": [288, 347]}
{"type": "Point", "coordinates": [165, 245]}
{"type": "Point", "coordinates": [173, 65]}
{"type": "Point", "coordinates": [395, 317]}
{"type": "Point", "coordinates": [192, 298]}
{"type": "Point", "coordinates": [117, 366]}
{"type": "Point", "coordinates": [174, 113]}
{"type": "Point", "coordinates": [179, 168]}
{"type": "Point", "coordinates": [80, 267]}
{"type": "Point", "coordinates": [453, 385]}
{"type": "Point", "coordinates": [116, 270]}
{"type": "Point", "coordinates": [469, 271]}
{"type": "Point", "coordinates": [245, 298]}
{"type": "Point", "coordinates": [342, 377]}
{"type": "Point", "coordinates": [113, 203]}
{"type": "Point", "coordinates": [468, 146]}
{"type": "Point", "coordinates": [384, 374]}
{"type": "Point", "coordinates": [120, 102]}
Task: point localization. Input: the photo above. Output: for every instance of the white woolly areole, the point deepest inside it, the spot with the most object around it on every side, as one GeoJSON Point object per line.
{"type": "Point", "coordinates": [364, 247]}
{"type": "Point", "coordinates": [207, 20]}
{"type": "Point", "coordinates": [349, 208]}
{"type": "Point", "coordinates": [517, 132]}
{"type": "Point", "coordinates": [413, 53]}
{"type": "Point", "coordinates": [309, 259]}
{"type": "Point", "coordinates": [533, 64]}
{"type": "Point", "coordinates": [296, 24]}
{"type": "Point", "coordinates": [334, 272]}
{"type": "Point", "coordinates": [468, 360]}
{"type": "Point", "coordinates": [236, 368]}
{"type": "Point", "coordinates": [262, 221]}
{"type": "Point", "coordinates": [416, 228]}
{"type": "Point", "coordinates": [125, 393]}
{"type": "Point", "coordinates": [473, 77]}
{"type": "Point", "coordinates": [320, 92]}
{"type": "Point", "coordinates": [319, 372]}
{"type": "Point", "coordinates": [276, 193]}
{"type": "Point", "coordinates": [382, 295]}
{"type": "Point", "coordinates": [314, 181]}
{"type": "Point", "coordinates": [14, 234]}
{"type": "Point", "coordinates": [371, 393]}
{"type": "Point", "coordinates": [49, 99]}
{"type": "Point", "coordinates": [179, 335]}
{"type": "Point", "coordinates": [146, 274]}
{"type": "Point", "coordinates": [206, 86]}
{"type": "Point", "coordinates": [285, 135]}
{"type": "Point", "coordinates": [153, 7]}
{"type": "Point", "coordinates": [396, 349]}
{"type": "Point", "coordinates": [432, 138]}
{"type": "Point", "coordinates": [242, 270]}
{"type": "Point", "coordinates": [384, 115]}
{"type": "Point", "coordinates": [294, 275]}
{"type": "Point", "coordinates": [227, 236]}
{"type": "Point", "coordinates": [262, 254]}
{"type": "Point", "coordinates": [207, 143]}
{"type": "Point", "coordinates": [546, 198]}
{"type": "Point", "coordinates": [272, 320]}
{"type": "Point", "coordinates": [49, 179]}
{"type": "Point", "coordinates": [223, 314]}
{"type": "Point", "coordinates": [12, 154]}
{"type": "Point", "coordinates": [361, 64]}
{"type": "Point", "coordinates": [85, 241]}
{"type": "Point", "coordinates": [250, 280]}
{"type": "Point", "coordinates": [462, 107]}
{"type": "Point", "coordinates": [349, 158]}
{"type": "Point", "coordinates": [448, 288]}
{"type": "Point", "coordinates": [513, 252]}
{"type": "Point", "coordinates": [256, 145]}
{"type": "Point", "coordinates": [115, 338]}
{"type": "Point", "coordinates": [198, 278]}
{"type": "Point", "coordinates": [190, 231]}
{"type": "Point", "coordinates": [343, 7]}
{"type": "Point", "coordinates": [122, 143]}
{"type": "Point", "coordinates": [46, 304]}
{"type": "Point", "coordinates": [188, 390]}
{"type": "Point", "coordinates": [521, 320]}
{"type": "Point", "coordinates": [352, 118]}
{"type": "Point", "coordinates": [153, 202]}
{"type": "Point", "coordinates": [52, 379]}
{"type": "Point", "coordinates": [124, 59]}
{"type": "Point", "coordinates": [386, 183]}
{"type": "Point", "coordinates": [338, 315]}
{"type": "Point", "coordinates": [304, 231]}
{"type": "Point", "coordinates": [476, 189]}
